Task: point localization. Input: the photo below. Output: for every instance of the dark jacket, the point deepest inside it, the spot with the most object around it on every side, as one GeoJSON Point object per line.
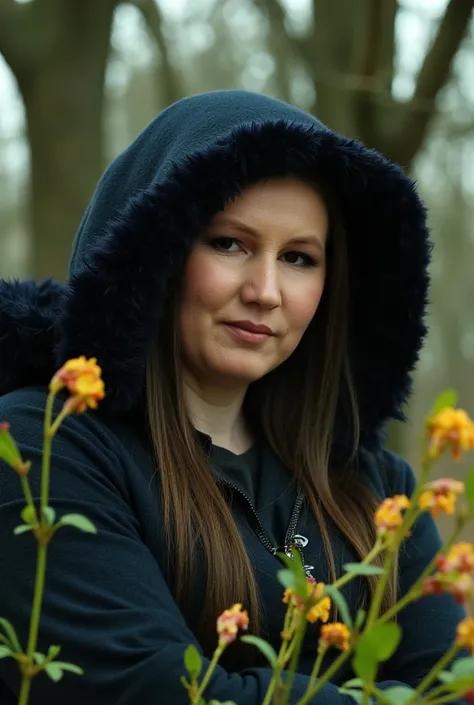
{"type": "Point", "coordinates": [107, 601]}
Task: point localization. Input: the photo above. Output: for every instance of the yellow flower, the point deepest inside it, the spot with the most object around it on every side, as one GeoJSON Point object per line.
{"type": "Point", "coordinates": [450, 428]}
{"type": "Point", "coordinates": [388, 517]}
{"type": "Point", "coordinates": [229, 623]}
{"type": "Point", "coordinates": [465, 634]}
{"type": "Point", "coordinates": [82, 378]}
{"type": "Point", "coordinates": [313, 607]}
{"type": "Point", "coordinates": [336, 635]}
{"type": "Point", "coordinates": [460, 558]}
{"type": "Point", "coordinates": [440, 496]}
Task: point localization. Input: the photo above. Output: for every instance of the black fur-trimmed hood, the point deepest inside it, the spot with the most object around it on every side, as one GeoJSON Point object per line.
{"type": "Point", "coordinates": [152, 202]}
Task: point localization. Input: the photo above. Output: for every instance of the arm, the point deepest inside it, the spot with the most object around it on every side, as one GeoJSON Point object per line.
{"type": "Point", "coordinates": [106, 601]}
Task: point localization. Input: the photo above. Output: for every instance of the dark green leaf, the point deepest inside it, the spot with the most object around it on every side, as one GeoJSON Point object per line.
{"type": "Point", "coordinates": [49, 516]}
{"type": "Point", "coordinates": [362, 569]}
{"type": "Point", "coordinates": [399, 694]}
{"type": "Point", "coordinates": [341, 603]}
{"type": "Point", "coordinates": [469, 492]}
{"type": "Point", "coordinates": [263, 646]}
{"type": "Point", "coordinates": [21, 528]}
{"type": "Point", "coordinates": [28, 515]}
{"type": "Point", "coordinates": [286, 578]}
{"type": "Point", "coordinates": [447, 398]}
{"type": "Point", "coordinates": [79, 521]}
{"type": "Point", "coordinates": [192, 662]}
{"type": "Point", "coordinates": [356, 694]}
{"type": "Point", "coordinates": [5, 651]}
{"type": "Point", "coordinates": [10, 631]}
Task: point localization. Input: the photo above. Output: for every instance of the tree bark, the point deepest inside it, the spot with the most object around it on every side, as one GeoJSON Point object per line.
{"type": "Point", "coordinates": [57, 50]}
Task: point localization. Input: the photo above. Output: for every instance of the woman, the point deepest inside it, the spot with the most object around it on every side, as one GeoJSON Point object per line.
{"type": "Point", "coordinates": [253, 287]}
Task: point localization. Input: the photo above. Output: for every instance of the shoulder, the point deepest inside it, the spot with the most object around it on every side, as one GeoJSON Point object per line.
{"type": "Point", "coordinates": [386, 473]}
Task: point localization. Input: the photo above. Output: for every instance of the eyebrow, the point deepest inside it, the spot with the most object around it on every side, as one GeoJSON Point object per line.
{"type": "Point", "coordinates": [311, 239]}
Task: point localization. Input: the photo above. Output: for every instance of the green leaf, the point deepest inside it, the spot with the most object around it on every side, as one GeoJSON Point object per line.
{"type": "Point", "coordinates": [469, 493]}
{"type": "Point", "coordinates": [184, 682]}
{"type": "Point", "coordinates": [193, 662]}
{"type": "Point", "coordinates": [447, 398]}
{"type": "Point", "coordinates": [287, 578]}
{"type": "Point", "coordinates": [10, 631]}
{"type": "Point", "coordinates": [463, 667]}
{"type": "Point", "coordinates": [362, 569]}
{"type": "Point", "coordinates": [55, 670]}
{"type": "Point", "coordinates": [70, 667]}
{"type": "Point", "coordinates": [360, 618]}
{"type": "Point", "coordinates": [399, 694]}
{"type": "Point", "coordinates": [5, 651]}
{"type": "Point", "coordinates": [263, 646]}
{"type": "Point", "coordinates": [8, 449]}
{"type": "Point", "coordinates": [445, 677]}
{"type": "Point", "coordinates": [49, 515]}
{"type": "Point", "coordinates": [39, 658]}
{"type": "Point", "coordinates": [341, 603]}
{"type": "Point", "coordinates": [374, 646]}
{"type": "Point", "coordinates": [295, 566]}
{"type": "Point", "coordinates": [356, 694]}
{"type": "Point", "coordinates": [354, 683]}
{"type": "Point", "coordinates": [28, 515]}
{"type": "Point", "coordinates": [79, 521]}
{"type": "Point", "coordinates": [53, 651]}
{"type": "Point", "coordinates": [21, 528]}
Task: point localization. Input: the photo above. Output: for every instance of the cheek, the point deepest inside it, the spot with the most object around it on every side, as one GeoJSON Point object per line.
{"type": "Point", "coordinates": [303, 304]}
{"type": "Point", "coordinates": [206, 284]}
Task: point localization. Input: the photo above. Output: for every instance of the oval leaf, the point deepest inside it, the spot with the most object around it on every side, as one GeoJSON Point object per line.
{"type": "Point", "coordinates": [341, 603]}
{"type": "Point", "coordinates": [21, 528]}
{"type": "Point", "coordinates": [10, 631]}
{"type": "Point", "coordinates": [373, 647]}
{"type": "Point", "coordinates": [445, 677]}
{"type": "Point", "coordinates": [263, 646]}
{"type": "Point", "coordinates": [362, 569]}
{"type": "Point", "coordinates": [469, 493]}
{"type": "Point", "coordinates": [54, 671]}
{"type": "Point", "coordinates": [53, 651]}
{"type": "Point", "coordinates": [49, 515]}
{"type": "Point", "coordinates": [192, 661]}
{"type": "Point", "coordinates": [463, 667]}
{"type": "Point", "coordinates": [353, 683]}
{"type": "Point", "coordinates": [399, 694]}
{"type": "Point", "coordinates": [5, 651]}
{"type": "Point", "coordinates": [8, 449]}
{"type": "Point", "coordinates": [79, 521]}
{"type": "Point", "coordinates": [28, 515]}
{"type": "Point", "coordinates": [286, 578]}
{"type": "Point", "coordinates": [447, 398]}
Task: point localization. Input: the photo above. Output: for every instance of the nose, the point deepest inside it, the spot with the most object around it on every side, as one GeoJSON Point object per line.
{"type": "Point", "coordinates": [261, 283]}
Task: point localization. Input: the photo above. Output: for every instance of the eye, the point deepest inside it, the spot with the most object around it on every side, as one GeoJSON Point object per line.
{"type": "Point", "coordinates": [300, 259]}
{"type": "Point", "coordinates": [225, 244]}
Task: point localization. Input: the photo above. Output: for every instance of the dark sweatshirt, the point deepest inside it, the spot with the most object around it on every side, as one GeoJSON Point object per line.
{"type": "Point", "coordinates": [107, 600]}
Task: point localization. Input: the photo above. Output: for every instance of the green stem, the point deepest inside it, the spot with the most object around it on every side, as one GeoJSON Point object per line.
{"type": "Point", "coordinates": [333, 668]}
{"type": "Point", "coordinates": [344, 579]}
{"type": "Point", "coordinates": [207, 677]}
{"type": "Point", "coordinates": [296, 650]}
{"type": "Point", "coordinates": [46, 460]}
{"type": "Point", "coordinates": [317, 665]}
{"type": "Point", "coordinates": [380, 590]}
{"type": "Point", "coordinates": [433, 674]}
{"type": "Point", "coordinates": [24, 691]}
{"type": "Point", "coordinates": [28, 496]}
{"type": "Point", "coordinates": [282, 657]}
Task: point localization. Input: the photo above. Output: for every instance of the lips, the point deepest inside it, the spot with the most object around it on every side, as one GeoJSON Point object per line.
{"type": "Point", "coordinates": [251, 327]}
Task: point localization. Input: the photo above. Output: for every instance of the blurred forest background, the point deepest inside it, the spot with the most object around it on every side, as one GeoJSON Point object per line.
{"type": "Point", "coordinates": [80, 78]}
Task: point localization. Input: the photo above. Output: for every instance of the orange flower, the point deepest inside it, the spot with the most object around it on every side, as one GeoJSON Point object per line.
{"type": "Point", "coordinates": [388, 517]}
{"type": "Point", "coordinates": [460, 558]}
{"type": "Point", "coordinates": [229, 623]}
{"type": "Point", "coordinates": [465, 634]}
{"type": "Point", "coordinates": [83, 380]}
{"type": "Point", "coordinates": [313, 607]}
{"type": "Point", "coordinates": [335, 634]}
{"type": "Point", "coordinates": [440, 496]}
{"type": "Point", "coordinates": [459, 585]}
{"type": "Point", "coordinates": [450, 428]}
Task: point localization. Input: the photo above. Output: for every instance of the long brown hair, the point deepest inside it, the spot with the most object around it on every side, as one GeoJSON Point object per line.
{"type": "Point", "coordinates": [295, 408]}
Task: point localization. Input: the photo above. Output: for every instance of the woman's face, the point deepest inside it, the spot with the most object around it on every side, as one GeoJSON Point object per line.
{"type": "Point", "coordinates": [253, 283]}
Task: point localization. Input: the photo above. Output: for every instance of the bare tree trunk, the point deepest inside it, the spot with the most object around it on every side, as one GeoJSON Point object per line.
{"type": "Point", "coordinates": [58, 52]}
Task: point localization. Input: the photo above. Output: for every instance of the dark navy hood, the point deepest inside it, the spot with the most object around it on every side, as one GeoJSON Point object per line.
{"type": "Point", "coordinates": [153, 201]}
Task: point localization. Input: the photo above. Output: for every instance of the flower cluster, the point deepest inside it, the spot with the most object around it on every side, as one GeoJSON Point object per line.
{"type": "Point", "coordinates": [336, 635]}
{"type": "Point", "coordinates": [450, 428]}
{"type": "Point", "coordinates": [454, 573]}
{"type": "Point", "coordinates": [440, 496]}
{"type": "Point", "coordinates": [388, 517]}
{"type": "Point", "coordinates": [82, 378]}
{"type": "Point", "coordinates": [314, 607]}
{"type": "Point", "coordinates": [229, 623]}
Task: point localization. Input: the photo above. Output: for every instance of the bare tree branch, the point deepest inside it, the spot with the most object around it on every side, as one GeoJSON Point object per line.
{"type": "Point", "coordinates": [153, 18]}
{"type": "Point", "coordinates": [433, 75]}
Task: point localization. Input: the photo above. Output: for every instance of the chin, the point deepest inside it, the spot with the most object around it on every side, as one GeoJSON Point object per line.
{"type": "Point", "coordinates": [243, 372]}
